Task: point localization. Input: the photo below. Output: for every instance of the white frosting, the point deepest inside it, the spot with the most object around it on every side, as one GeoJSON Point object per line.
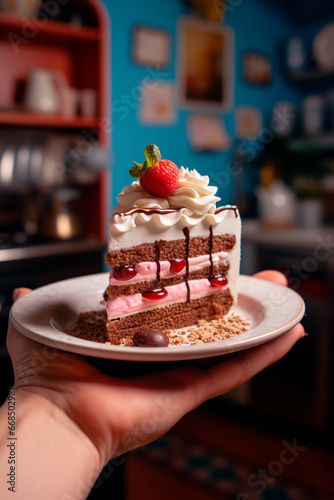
{"type": "Point", "coordinates": [193, 198]}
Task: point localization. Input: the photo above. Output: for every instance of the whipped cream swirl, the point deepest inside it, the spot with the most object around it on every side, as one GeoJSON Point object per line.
{"type": "Point", "coordinates": [193, 199]}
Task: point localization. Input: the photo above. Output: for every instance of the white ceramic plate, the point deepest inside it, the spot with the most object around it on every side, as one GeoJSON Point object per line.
{"type": "Point", "coordinates": [44, 314]}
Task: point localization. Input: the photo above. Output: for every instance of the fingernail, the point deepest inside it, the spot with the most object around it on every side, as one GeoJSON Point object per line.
{"type": "Point", "coordinates": [305, 334]}
{"type": "Point", "coordinates": [15, 294]}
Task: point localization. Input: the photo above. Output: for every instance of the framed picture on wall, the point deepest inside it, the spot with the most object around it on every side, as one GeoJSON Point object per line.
{"type": "Point", "coordinates": [151, 46]}
{"type": "Point", "coordinates": [158, 103]}
{"type": "Point", "coordinates": [248, 122]}
{"type": "Point", "coordinates": [256, 68]}
{"type": "Point", "coordinates": [205, 65]}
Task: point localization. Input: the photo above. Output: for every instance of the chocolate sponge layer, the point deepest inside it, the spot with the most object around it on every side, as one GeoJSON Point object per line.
{"type": "Point", "coordinates": [170, 250]}
{"type": "Point", "coordinates": [170, 317]}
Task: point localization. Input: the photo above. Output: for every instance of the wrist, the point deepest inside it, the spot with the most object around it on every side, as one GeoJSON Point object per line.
{"type": "Point", "coordinates": [52, 452]}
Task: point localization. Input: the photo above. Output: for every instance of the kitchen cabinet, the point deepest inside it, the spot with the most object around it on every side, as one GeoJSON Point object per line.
{"type": "Point", "coordinates": [299, 387]}
{"type": "Point", "coordinates": [303, 12]}
{"type": "Point", "coordinates": [71, 50]}
{"type": "Point", "coordinates": [312, 81]}
{"type": "Point", "coordinates": [81, 54]}
{"type": "Point", "coordinates": [297, 392]}
{"type": "Point", "coordinates": [305, 163]}
{"type": "Point", "coordinates": [35, 266]}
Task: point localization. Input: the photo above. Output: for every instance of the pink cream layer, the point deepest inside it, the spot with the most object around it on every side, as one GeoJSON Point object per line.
{"type": "Point", "coordinates": [129, 304]}
{"type": "Point", "coordinates": [148, 270]}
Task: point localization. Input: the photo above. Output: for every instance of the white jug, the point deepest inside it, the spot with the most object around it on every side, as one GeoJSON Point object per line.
{"type": "Point", "coordinates": [43, 90]}
{"type": "Point", "coordinates": [277, 204]}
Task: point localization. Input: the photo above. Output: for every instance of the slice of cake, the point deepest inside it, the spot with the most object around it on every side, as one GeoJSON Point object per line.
{"type": "Point", "coordinates": [174, 255]}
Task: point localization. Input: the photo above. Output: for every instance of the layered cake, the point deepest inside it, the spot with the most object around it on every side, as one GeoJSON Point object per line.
{"type": "Point", "coordinates": [174, 256]}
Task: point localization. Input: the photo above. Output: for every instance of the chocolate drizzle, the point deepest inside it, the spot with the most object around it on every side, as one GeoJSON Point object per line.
{"type": "Point", "coordinates": [166, 211]}
{"type": "Point", "coordinates": [187, 235]}
{"type": "Point", "coordinates": [148, 211]}
{"type": "Point", "coordinates": [233, 207]}
{"type": "Point", "coordinates": [210, 251]}
{"type": "Point", "coordinates": [157, 246]}
{"type": "Point", "coordinates": [160, 243]}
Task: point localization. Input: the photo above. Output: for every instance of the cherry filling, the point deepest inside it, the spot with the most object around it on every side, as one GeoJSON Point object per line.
{"type": "Point", "coordinates": [124, 273]}
{"type": "Point", "coordinates": [158, 294]}
{"type": "Point", "coordinates": [218, 280]}
{"type": "Point", "coordinates": [177, 265]}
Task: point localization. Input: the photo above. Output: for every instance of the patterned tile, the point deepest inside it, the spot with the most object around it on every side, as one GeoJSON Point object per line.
{"type": "Point", "coordinates": [218, 473]}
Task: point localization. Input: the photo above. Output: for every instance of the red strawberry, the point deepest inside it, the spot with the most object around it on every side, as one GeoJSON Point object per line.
{"type": "Point", "coordinates": [161, 179]}
{"type": "Point", "coordinates": [158, 177]}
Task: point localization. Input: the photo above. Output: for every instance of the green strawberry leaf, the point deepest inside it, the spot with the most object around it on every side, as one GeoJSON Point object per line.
{"type": "Point", "coordinates": [153, 155]}
{"type": "Point", "coordinates": [138, 169]}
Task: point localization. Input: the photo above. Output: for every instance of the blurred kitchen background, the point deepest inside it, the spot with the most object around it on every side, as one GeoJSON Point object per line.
{"type": "Point", "coordinates": [240, 90]}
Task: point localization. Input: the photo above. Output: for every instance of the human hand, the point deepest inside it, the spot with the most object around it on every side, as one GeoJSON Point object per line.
{"type": "Point", "coordinates": [113, 415]}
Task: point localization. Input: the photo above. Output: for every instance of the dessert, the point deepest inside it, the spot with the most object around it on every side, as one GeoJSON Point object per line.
{"type": "Point", "coordinates": [174, 256]}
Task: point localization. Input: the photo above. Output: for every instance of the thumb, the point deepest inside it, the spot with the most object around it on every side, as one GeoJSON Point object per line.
{"type": "Point", "coordinates": [20, 292]}
{"type": "Point", "coordinates": [272, 275]}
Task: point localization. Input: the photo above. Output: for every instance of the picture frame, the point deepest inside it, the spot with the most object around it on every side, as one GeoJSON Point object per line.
{"type": "Point", "coordinates": [205, 65]}
{"type": "Point", "coordinates": [151, 46]}
{"type": "Point", "coordinates": [256, 68]}
{"type": "Point", "coordinates": [158, 103]}
{"type": "Point", "coordinates": [248, 122]}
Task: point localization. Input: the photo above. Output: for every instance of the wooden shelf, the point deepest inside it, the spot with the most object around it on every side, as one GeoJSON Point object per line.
{"type": "Point", "coordinates": [81, 54]}
{"type": "Point", "coordinates": [52, 248]}
{"type": "Point", "coordinates": [307, 76]}
{"type": "Point", "coordinates": [58, 30]}
{"type": "Point", "coordinates": [45, 120]}
{"type": "Point", "coordinates": [323, 142]}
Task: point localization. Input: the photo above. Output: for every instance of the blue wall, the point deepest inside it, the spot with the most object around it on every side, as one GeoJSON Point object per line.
{"type": "Point", "coordinates": [256, 27]}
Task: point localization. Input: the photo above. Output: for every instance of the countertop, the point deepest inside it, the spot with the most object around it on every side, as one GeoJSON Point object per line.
{"type": "Point", "coordinates": [296, 238]}
{"type": "Point", "coordinates": [51, 249]}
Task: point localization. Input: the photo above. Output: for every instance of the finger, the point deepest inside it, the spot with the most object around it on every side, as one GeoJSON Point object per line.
{"type": "Point", "coordinates": [272, 275]}
{"type": "Point", "coordinates": [20, 292]}
{"type": "Point", "coordinates": [191, 385]}
{"type": "Point", "coordinates": [235, 371]}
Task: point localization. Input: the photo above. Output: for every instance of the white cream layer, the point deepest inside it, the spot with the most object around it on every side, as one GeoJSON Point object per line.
{"type": "Point", "coordinates": [129, 304]}
{"type": "Point", "coordinates": [193, 200]}
{"type": "Point", "coordinates": [148, 270]}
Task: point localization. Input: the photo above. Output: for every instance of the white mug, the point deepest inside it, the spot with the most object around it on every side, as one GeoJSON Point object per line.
{"type": "Point", "coordinates": [313, 114]}
{"type": "Point", "coordinates": [69, 98]}
{"type": "Point", "coordinates": [283, 118]}
{"type": "Point", "coordinates": [43, 90]}
{"type": "Point", "coordinates": [310, 213]}
{"type": "Point", "coordinates": [88, 103]}
{"type": "Point", "coordinates": [277, 203]}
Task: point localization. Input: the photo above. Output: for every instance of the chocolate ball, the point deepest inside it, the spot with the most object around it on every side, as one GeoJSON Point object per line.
{"type": "Point", "coordinates": [150, 338]}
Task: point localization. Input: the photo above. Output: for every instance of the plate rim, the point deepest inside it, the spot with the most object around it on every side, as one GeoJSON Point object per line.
{"type": "Point", "coordinates": [175, 353]}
